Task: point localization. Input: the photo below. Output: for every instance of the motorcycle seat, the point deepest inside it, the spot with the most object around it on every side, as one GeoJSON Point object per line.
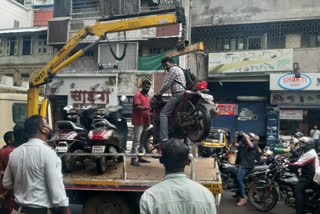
{"type": "Point", "coordinates": [258, 168]}
{"type": "Point", "coordinates": [102, 123]}
{"type": "Point", "coordinates": [64, 124]}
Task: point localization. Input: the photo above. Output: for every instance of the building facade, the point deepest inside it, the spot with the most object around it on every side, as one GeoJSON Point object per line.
{"type": "Point", "coordinates": [139, 46]}
{"type": "Point", "coordinates": [23, 38]}
{"type": "Point", "coordinates": [250, 41]}
{"type": "Point", "coordinates": [15, 15]}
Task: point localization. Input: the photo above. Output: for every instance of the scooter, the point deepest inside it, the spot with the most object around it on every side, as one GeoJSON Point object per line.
{"type": "Point", "coordinates": [71, 137]}
{"type": "Point", "coordinates": [108, 135]}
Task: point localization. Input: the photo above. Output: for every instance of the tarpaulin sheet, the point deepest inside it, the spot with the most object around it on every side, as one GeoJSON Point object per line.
{"type": "Point", "coordinates": [150, 63]}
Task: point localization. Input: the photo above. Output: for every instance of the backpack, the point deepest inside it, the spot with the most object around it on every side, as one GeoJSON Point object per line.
{"type": "Point", "coordinates": [190, 77]}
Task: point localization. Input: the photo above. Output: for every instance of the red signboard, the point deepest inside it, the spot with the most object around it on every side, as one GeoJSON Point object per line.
{"type": "Point", "coordinates": [41, 17]}
{"type": "Point", "coordinates": [226, 109]}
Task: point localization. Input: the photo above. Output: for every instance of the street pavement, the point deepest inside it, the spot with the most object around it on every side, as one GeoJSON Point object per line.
{"type": "Point", "coordinates": [228, 206]}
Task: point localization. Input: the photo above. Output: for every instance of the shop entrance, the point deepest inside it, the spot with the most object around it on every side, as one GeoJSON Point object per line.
{"type": "Point", "coordinates": [309, 118]}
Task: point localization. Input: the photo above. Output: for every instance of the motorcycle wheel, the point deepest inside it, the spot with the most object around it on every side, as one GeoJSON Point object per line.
{"type": "Point", "coordinates": [101, 164]}
{"type": "Point", "coordinates": [68, 163]}
{"type": "Point", "coordinates": [147, 139]}
{"type": "Point", "coordinates": [200, 130]}
{"type": "Point", "coordinates": [262, 198]}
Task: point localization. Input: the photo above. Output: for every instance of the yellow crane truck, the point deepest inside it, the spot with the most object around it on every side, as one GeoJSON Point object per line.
{"type": "Point", "coordinates": [118, 190]}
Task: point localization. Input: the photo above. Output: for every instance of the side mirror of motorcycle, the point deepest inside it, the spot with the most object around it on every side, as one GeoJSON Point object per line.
{"type": "Point", "coordinates": [123, 98]}
{"type": "Point", "coordinates": [68, 108]}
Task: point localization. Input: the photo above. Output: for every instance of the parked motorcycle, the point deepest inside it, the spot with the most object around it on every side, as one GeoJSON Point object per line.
{"type": "Point", "coordinates": [279, 184]}
{"type": "Point", "coordinates": [71, 137]}
{"type": "Point", "coordinates": [108, 135]}
{"type": "Point", "coordinates": [229, 172]}
{"type": "Point", "coordinates": [191, 117]}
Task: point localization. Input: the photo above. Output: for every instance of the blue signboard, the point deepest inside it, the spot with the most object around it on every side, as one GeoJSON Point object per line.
{"type": "Point", "coordinates": [272, 126]}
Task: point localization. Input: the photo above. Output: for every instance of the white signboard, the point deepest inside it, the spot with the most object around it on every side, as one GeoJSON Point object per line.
{"type": "Point", "coordinates": [291, 114]}
{"type": "Point", "coordinates": [81, 89]}
{"type": "Point", "coordinates": [251, 61]}
{"type": "Point", "coordinates": [306, 82]}
{"type": "Point", "coordinates": [289, 82]}
{"type": "Point", "coordinates": [295, 98]}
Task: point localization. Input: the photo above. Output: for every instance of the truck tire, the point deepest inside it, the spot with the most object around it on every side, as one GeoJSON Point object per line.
{"type": "Point", "coordinates": [111, 204]}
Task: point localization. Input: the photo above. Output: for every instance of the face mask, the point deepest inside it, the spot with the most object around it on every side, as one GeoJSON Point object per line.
{"type": "Point", "coordinates": [50, 135]}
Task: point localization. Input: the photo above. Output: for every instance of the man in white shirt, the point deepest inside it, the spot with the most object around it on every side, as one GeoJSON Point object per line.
{"type": "Point", "coordinates": [176, 193]}
{"type": "Point", "coordinates": [34, 172]}
{"type": "Point", "coordinates": [314, 133]}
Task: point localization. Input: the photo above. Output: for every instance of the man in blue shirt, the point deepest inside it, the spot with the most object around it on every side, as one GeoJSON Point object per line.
{"type": "Point", "coordinates": [176, 193]}
{"type": "Point", "coordinates": [246, 160]}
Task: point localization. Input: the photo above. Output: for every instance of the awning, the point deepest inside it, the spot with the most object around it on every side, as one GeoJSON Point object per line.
{"type": "Point", "coordinates": [24, 30]}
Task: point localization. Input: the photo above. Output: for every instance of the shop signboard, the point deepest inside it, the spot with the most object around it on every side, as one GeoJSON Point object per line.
{"type": "Point", "coordinates": [227, 109]}
{"type": "Point", "coordinates": [291, 114]}
{"type": "Point", "coordinates": [272, 125]}
{"type": "Point", "coordinates": [251, 61]}
{"type": "Point", "coordinates": [295, 98]}
{"type": "Point", "coordinates": [82, 89]}
{"type": "Point", "coordinates": [306, 82]}
{"type": "Point", "coordinates": [289, 82]}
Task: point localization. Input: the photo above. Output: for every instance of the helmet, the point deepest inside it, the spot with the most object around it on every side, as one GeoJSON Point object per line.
{"type": "Point", "coordinates": [306, 140]}
{"type": "Point", "coordinates": [308, 143]}
{"type": "Point", "coordinates": [252, 136]}
{"type": "Point", "coordinates": [298, 134]}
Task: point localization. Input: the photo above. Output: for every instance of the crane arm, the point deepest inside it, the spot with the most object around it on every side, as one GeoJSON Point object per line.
{"type": "Point", "coordinates": [99, 29]}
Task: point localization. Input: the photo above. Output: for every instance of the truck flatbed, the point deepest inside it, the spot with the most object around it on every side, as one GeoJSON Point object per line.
{"type": "Point", "coordinates": [125, 177]}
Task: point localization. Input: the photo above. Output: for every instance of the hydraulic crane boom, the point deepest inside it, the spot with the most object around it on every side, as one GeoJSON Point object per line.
{"type": "Point", "coordinates": [99, 29]}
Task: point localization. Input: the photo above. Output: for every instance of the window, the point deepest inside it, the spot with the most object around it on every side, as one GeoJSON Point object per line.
{"type": "Point", "coordinates": [26, 45]}
{"type": "Point", "coordinates": [13, 46]}
{"type": "Point", "coordinates": [20, 1]}
{"type": "Point", "coordinates": [311, 41]}
{"type": "Point", "coordinates": [2, 47]}
{"type": "Point", "coordinates": [254, 43]}
{"type": "Point", "coordinates": [236, 43]}
{"type": "Point", "coordinates": [16, 24]}
{"type": "Point", "coordinates": [42, 43]}
{"type": "Point", "coordinates": [9, 75]}
{"type": "Point", "coordinates": [19, 112]}
{"type": "Point", "coordinates": [25, 75]}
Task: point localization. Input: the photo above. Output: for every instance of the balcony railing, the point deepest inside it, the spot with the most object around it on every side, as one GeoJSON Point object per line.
{"type": "Point", "coordinates": [103, 8]}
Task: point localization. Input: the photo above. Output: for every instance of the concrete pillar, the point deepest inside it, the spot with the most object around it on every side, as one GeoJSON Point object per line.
{"type": "Point", "coordinates": [199, 65]}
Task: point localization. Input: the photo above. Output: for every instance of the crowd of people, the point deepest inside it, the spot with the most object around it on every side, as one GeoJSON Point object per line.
{"type": "Point", "coordinates": [303, 154]}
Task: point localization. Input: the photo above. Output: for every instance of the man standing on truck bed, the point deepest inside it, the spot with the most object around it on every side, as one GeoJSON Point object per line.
{"type": "Point", "coordinates": [140, 119]}
{"type": "Point", "coordinates": [176, 193]}
{"type": "Point", "coordinates": [34, 172]}
{"type": "Point", "coordinates": [175, 81]}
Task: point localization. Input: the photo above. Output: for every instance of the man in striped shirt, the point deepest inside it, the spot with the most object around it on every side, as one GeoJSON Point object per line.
{"type": "Point", "coordinates": [175, 81]}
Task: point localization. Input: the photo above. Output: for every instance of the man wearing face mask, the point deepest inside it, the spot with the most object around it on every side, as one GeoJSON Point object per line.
{"type": "Point", "coordinates": [34, 172]}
